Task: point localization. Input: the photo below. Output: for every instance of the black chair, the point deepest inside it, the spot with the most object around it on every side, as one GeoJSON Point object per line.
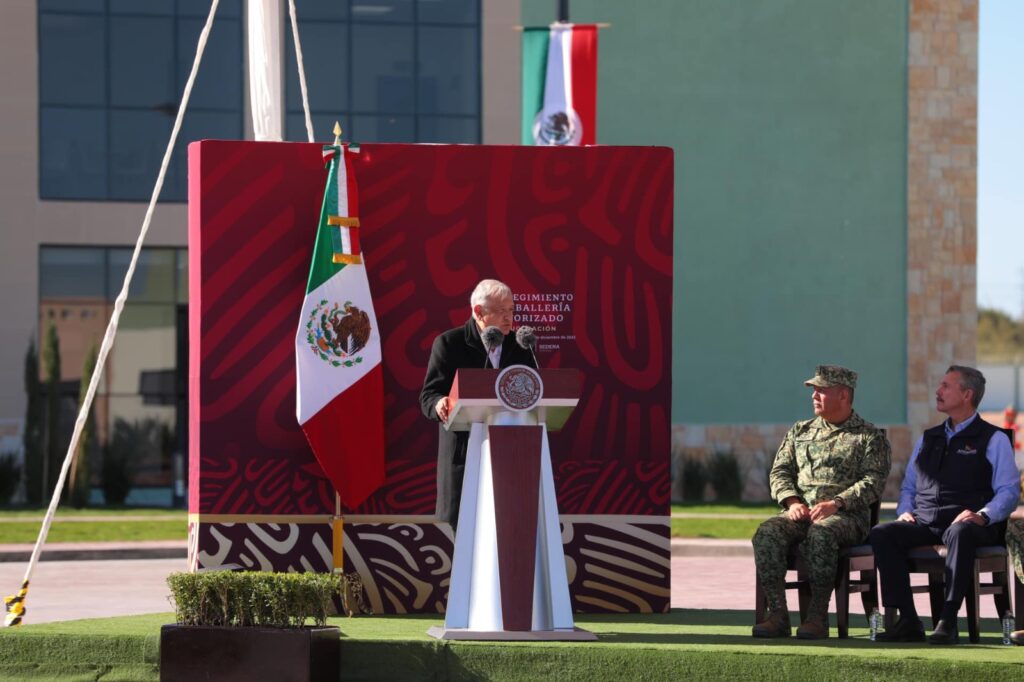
{"type": "Point", "coordinates": [857, 558]}
{"type": "Point", "coordinates": [993, 559]}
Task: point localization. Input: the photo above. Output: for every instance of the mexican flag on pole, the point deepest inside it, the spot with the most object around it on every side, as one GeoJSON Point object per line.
{"type": "Point", "coordinates": [560, 85]}
{"type": "Point", "coordinates": [340, 396]}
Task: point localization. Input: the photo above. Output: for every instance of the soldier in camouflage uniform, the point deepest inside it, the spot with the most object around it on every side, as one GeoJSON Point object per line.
{"type": "Point", "coordinates": [827, 473]}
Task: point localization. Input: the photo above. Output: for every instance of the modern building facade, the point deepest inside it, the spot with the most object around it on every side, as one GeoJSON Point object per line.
{"type": "Point", "coordinates": [825, 183]}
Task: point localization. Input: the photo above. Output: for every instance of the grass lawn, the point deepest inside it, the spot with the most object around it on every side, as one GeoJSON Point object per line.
{"type": "Point", "coordinates": [94, 525]}
{"type": "Point", "coordinates": [720, 529]}
{"type": "Point", "coordinates": [764, 509]}
{"type": "Point", "coordinates": [38, 513]}
{"type": "Point", "coordinates": [95, 531]}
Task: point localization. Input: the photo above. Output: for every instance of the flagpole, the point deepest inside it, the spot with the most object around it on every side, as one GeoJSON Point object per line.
{"type": "Point", "coordinates": [563, 11]}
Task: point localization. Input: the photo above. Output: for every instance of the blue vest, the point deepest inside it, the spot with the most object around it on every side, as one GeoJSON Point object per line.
{"type": "Point", "coordinates": [955, 476]}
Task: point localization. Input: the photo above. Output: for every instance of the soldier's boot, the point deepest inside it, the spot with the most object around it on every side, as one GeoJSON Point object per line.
{"type": "Point", "coordinates": [816, 624]}
{"type": "Point", "coordinates": [776, 620]}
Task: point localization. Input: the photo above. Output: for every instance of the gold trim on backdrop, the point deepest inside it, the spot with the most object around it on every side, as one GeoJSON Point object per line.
{"type": "Point", "coordinates": [338, 544]}
{"type": "Point", "coordinates": [347, 259]}
{"type": "Point", "coordinates": [404, 518]}
{"type": "Point", "coordinates": [342, 221]}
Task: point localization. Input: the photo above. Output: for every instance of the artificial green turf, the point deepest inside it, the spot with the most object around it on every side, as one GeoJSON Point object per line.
{"type": "Point", "coordinates": [691, 644]}
{"type": "Point", "coordinates": [95, 531]}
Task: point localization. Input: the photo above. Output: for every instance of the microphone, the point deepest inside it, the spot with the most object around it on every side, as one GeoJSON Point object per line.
{"type": "Point", "coordinates": [527, 339]}
{"type": "Point", "coordinates": [492, 338]}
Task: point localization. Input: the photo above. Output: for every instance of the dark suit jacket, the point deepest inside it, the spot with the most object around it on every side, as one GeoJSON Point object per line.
{"type": "Point", "coordinates": [452, 350]}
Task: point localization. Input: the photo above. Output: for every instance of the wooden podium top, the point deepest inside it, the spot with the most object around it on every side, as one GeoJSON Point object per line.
{"type": "Point", "coordinates": [473, 397]}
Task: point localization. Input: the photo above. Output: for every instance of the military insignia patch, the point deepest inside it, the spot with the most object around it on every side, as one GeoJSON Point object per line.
{"type": "Point", "coordinates": [336, 333]}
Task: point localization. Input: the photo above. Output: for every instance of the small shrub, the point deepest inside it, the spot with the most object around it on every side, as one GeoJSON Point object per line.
{"type": "Point", "coordinates": [695, 478]}
{"type": "Point", "coordinates": [128, 440]}
{"type": "Point", "coordinates": [10, 474]}
{"type": "Point", "coordinates": [252, 598]}
{"type": "Point", "coordinates": [724, 472]}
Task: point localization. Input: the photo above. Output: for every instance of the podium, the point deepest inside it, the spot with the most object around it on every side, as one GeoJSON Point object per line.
{"type": "Point", "coordinates": [508, 578]}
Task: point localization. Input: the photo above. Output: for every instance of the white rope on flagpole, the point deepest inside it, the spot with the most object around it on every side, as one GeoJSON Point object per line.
{"type": "Point", "coordinates": [302, 70]}
{"type": "Point", "coordinates": [108, 337]}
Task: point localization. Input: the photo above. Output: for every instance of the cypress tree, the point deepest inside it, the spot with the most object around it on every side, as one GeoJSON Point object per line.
{"type": "Point", "coordinates": [80, 479]}
{"type": "Point", "coordinates": [32, 437]}
{"type": "Point", "coordinates": [51, 368]}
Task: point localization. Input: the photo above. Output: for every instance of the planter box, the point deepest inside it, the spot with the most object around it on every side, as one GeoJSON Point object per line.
{"type": "Point", "coordinates": [190, 653]}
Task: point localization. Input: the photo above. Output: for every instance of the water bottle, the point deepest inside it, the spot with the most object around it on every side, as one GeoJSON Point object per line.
{"type": "Point", "coordinates": [1007, 627]}
{"type": "Point", "coordinates": [875, 623]}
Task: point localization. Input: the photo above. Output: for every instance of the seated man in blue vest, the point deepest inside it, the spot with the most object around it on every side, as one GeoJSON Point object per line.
{"type": "Point", "coordinates": [961, 483]}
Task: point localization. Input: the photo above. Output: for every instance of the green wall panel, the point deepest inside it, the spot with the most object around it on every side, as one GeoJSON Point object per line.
{"type": "Point", "coordinates": [788, 119]}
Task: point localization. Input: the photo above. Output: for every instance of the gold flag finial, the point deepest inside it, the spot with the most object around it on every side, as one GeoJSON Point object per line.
{"type": "Point", "coordinates": [337, 133]}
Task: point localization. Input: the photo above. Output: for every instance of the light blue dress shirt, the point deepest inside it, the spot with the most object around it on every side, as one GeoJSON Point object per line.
{"type": "Point", "coordinates": [1005, 477]}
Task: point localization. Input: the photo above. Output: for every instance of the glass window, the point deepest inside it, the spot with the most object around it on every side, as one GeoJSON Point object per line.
{"type": "Point", "coordinates": [450, 129]}
{"type": "Point", "coordinates": [445, 86]}
{"type": "Point", "coordinates": [145, 343]}
{"type": "Point", "coordinates": [153, 279]}
{"type": "Point", "coordinates": [328, 10]}
{"type": "Point", "coordinates": [181, 281]}
{"type": "Point", "coordinates": [325, 60]}
{"type": "Point", "coordinates": [142, 62]}
{"type": "Point", "coordinates": [72, 150]}
{"type": "Point", "coordinates": [448, 11]}
{"type": "Point", "coordinates": [136, 150]}
{"type": "Point", "coordinates": [143, 386]}
{"type": "Point", "coordinates": [383, 128]}
{"type": "Point", "coordinates": [111, 74]}
{"type": "Point", "coordinates": [72, 56]}
{"type": "Point", "coordinates": [72, 272]}
{"type": "Point", "coordinates": [95, 6]}
{"type": "Point", "coordinates": [201, 8]}
{"type": "Point", "coordinates": [218, 84]}
{"type": "Point", "coordinates": [165, 7]}
{"type": "Point", "coordinates": [395, 72]}
{"type": "Point", "coordinates": [382, 68]}
{"type": "Point", "coordinates": [382, 10]}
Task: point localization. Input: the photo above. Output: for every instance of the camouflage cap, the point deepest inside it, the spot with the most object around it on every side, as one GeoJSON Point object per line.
{"type": "Point", "coordinates": [832, 375]}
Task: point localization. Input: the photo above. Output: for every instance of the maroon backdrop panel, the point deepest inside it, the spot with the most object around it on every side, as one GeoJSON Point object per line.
{"type": "Point", "coordinates": [582, 235]}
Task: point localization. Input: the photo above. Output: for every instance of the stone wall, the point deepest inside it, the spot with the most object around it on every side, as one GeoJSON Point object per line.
{"type": "Point", "coordinates": [942, 119]}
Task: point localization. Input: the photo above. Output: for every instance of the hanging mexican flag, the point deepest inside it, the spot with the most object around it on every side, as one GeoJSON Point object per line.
{"type": "Point", "coordinates": [560, 85]}
{"type": "Point", "coordinates": [340, 397]}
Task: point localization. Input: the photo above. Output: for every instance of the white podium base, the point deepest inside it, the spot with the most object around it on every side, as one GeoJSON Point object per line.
{"type": "Point", "coordinates": [574, 635]}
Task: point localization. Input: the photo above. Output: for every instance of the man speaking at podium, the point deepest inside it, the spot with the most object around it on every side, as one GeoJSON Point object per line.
{"type": "Point", "coordinates": [484, 341]}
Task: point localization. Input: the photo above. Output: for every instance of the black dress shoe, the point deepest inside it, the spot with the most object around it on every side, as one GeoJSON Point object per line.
{"type": "Point", "coordinates": [905, 630]}
{"type": "Point", "coordinates": [945, 633]}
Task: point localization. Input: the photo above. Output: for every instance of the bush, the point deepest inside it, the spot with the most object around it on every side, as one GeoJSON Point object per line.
{"type": "Point", "coordinates": [119, 457]}
{"type": "Point", "coordinates": [10, 474]}
{"type": "Point", "coordinates": [724, 472]}
{"type": "Point", "coordinates": [695, 478]}
{"type": "Point", "coordinates": [252, 598]}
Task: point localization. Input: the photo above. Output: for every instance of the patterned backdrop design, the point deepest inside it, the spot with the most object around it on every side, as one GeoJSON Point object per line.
{"type": "Point", "coordinates": [587, 230]}
{"type": "Point", "coordinates": [614, 565]}
{"type": "Point", "coordinates": [583, 236]}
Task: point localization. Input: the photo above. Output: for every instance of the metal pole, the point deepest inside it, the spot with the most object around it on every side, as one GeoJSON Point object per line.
{"type": "Point", "coordinates": [563, 11]}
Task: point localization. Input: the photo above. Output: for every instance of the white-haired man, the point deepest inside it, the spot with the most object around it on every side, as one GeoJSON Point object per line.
{"type": "Point", "coordinates": [490, 305]}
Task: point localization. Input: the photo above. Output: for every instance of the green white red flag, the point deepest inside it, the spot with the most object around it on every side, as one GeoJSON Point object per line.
{"type": "Point", "coordinates": [560, 85]}
{"type": "Point", "coordinates": [340, 392]}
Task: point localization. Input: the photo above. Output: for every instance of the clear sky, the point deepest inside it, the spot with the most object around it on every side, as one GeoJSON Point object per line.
{"type": "Point", "coordinates": [1001, 156]}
